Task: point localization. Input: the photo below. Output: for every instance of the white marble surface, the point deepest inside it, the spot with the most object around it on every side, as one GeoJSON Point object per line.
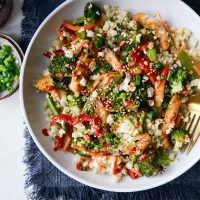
{"type": "Point", "coordinates": [11, 128]}
{"type": "Point", "coordinates": [11, 149]}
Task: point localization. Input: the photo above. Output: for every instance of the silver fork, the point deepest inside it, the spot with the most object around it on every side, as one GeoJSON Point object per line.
{"type": "Point", "coordinates": [193, 128]}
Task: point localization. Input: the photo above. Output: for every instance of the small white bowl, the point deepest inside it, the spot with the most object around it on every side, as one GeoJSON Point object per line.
{"type": "Point", "coordinates": [174, 11]}
{"type": "Point", "coordinates": [18, 55]}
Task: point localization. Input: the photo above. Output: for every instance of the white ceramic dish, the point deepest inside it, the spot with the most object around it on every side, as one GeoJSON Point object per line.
{"type": "Point", "coordinates": [174, 11]}
{"type": "Point", "coordinates": [18, 55]}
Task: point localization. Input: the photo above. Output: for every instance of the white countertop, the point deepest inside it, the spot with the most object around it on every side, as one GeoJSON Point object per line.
{"type": "Point", "coordinates": [12, 168]}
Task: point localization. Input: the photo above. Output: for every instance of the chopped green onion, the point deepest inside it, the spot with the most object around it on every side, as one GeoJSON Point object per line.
{"type": "Point", "coordinates": [108, 141]}
{"type": "Point", "coordinates": [158, 78]}
{"type": "Point", "coordinates": [9, 71]}
{"type": "Point", "coordinates": [158, 65]}
{"type": "Point", "coordinates": [78, 21]}
{"type": "Point", "coordinates": [122, 96]}
{"type": "Point", "coordinates": [169, 76]}
{"type": "Point", "coordinates": [137, 79]}
{"type": "Point", "coordinates": [152, 114]}
{"type": "Point", "coordinates": [81, 35]}
{"type": "Point", "coordinates": [123, 62]}
{"type": "Point", "coordinates": [89, 85]}
{"type": "Point", "coordinates": [152, 54]}
{"type": "Point", "coordinates": [52, 105]}
{"type": "Point", "coordinates": [94, 68]}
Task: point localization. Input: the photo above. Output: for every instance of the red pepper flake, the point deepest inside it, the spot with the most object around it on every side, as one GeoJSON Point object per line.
{"type": "Point", "coordinates": [132, 174]}
{"type": "Point", "coordinates": [45, 132]}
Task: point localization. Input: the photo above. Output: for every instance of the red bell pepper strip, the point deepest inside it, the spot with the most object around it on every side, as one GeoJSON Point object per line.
{"type": "Point", "coordinates": [74, 120]}
{"type": "Point", "coordinates": [165, 71]}
{"type": "Point", "coordinates": [95, 121]}
{"type": "Point", "coordinates": [72, 35]}
{"type": "Point", "coordinates": [144, 63]}
{"type": "Point", "coordinates": [132, 174]}
{"type": "Point", "coordinates": [68, 119]}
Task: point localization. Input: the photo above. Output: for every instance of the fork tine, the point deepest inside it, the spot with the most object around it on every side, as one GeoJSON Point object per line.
{"type": "Point", "coordinates": [191, 123]}
{"type": "Point", "coordinates": [183, 124]}
{"type": "Point", "coordinates": [193, 138]}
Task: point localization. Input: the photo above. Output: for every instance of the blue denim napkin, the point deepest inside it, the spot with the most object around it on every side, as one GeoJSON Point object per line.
{"type": "Point", "coordinates": [46, 182]}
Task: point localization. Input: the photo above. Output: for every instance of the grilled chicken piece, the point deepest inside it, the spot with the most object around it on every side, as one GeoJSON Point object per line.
{"type": "Point", "coordinates": [102, 113]}
{"type": "Point", "coordinates": [79, 80]}
{"type": "Point", "coordinates": [154, 24]}
{"type": "Point", "coordinates": [170, 117]}
{"type": "Point", "coordinates": [159, 92]}
{"type": "Point", "coordinates": [143, 143]}
{"type": "Point", "coordinates": [42, 83]}
{"type": "Point", "coordinates": [111, 58]}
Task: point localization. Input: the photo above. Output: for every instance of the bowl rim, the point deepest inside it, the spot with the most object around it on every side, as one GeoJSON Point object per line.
{"type": "Point", "coordinates": [62, 169]}
{"type": "Point", "coordinates": [21, 56]}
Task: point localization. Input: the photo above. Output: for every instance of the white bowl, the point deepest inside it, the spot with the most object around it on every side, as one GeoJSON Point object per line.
{"type": "Point", "coordinates": [174, 11]}
{"type": "Point", "coordinates": [18, 55]}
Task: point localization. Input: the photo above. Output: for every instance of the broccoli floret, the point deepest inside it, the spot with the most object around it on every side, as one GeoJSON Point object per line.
{"type": "Point", "coordinates": [163, 159]}
{"type": "Point", "coordinates": [179, 137]}
{"type": "Point", "coordinates": [177, 81]}
{"type": "Point", "coordinates": [92, 12]}
{"type": "Point", "coordinates": [149, 166]}
{"type": "Point", "coordinates": [57, 68]}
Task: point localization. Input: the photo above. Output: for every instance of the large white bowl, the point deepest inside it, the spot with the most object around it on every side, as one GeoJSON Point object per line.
{"type": "Point", "coordinates": [174, 11]}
